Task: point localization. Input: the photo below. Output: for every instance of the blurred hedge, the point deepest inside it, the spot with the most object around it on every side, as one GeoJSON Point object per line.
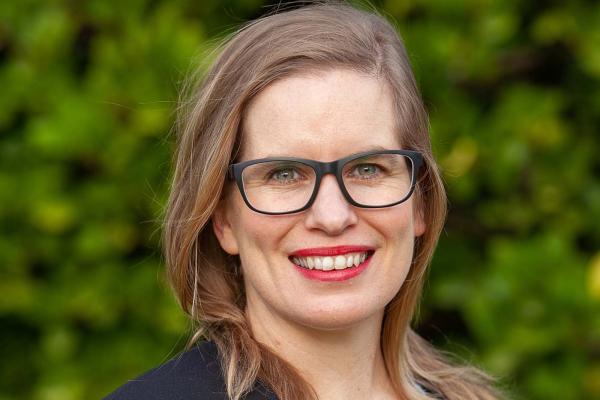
{"type": "Point", "coordinates": [88, 92]}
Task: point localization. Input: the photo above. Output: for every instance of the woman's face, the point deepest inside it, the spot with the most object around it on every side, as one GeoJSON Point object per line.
{"type": "Point", "coordinates": [324, 117]}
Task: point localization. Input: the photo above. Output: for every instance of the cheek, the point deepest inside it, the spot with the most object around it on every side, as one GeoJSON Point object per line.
{"type": "Point", "coordinates": [398, 225]}
{"type": "Point", "coordinates": [259, 236]}
{"type": "Point", "coordinates": [398, 231]}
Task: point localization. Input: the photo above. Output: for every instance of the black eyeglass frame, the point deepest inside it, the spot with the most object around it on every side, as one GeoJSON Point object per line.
{"type": "Point", "coordinates": [323, 168]}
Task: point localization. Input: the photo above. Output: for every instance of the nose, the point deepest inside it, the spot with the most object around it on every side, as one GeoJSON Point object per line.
{"type": "Point", "coordinates": [330, 212]}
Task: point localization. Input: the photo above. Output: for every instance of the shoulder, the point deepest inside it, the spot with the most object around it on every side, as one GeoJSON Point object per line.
{"type": "Point", "coordinates": [194, 374]}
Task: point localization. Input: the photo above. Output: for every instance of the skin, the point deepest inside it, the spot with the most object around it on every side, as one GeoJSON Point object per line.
{"type": "Point", "coordinates": [329, 330]}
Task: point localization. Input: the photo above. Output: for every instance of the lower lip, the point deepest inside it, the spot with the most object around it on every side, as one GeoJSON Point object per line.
{"type": "Point", "coordinates": [334, 275]}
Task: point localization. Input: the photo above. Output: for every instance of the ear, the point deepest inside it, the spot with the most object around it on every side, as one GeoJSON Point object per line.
{"type": "Point", "coordinates": [223, 229]}
{"type": "Point", "coordinates": [418, 221]}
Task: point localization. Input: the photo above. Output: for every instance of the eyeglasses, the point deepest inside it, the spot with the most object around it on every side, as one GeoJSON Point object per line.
{"type": "Point", "coordinates": [286, 185]}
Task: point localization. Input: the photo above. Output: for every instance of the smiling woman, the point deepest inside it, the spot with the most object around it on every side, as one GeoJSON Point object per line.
{"type": "Point", "coordinates": [325, 116]}
{"type": "Point", "coordinates": [305, 207]}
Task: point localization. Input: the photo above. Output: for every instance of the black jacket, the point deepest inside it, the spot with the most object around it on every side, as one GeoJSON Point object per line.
{"type": "Point", "coordinates": [193, 375]}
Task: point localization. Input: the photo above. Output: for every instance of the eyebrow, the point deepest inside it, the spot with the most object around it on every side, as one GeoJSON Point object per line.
{"type": "Point", "coordinates": [362, 150]}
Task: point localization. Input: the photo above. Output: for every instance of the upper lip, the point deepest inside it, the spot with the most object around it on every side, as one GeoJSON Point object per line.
{"type": "Point", "coordinates": [330, 251]}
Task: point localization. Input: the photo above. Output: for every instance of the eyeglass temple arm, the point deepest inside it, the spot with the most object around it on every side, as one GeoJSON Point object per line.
{"type": "Point", "coordinates": [230, 175]}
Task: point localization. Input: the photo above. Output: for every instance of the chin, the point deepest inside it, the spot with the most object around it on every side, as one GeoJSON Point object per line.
{"type": "Point", "coordinates": [332, 317]}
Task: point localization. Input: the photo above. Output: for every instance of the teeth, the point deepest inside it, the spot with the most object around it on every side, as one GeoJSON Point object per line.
{"type": "Point", "coordinates": [329, 263]}
{"type": "Point", "coordinates": [318, 263]}
{"type": "Point", "coordinates": [340, 262]}
{"type": "Point", "coordinates": [349, 262]}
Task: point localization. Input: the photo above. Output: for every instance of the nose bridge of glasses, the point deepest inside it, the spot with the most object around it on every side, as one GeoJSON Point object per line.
{"type": "Point", "coordinates": [328, 168]}
{"type": "Point", "coordinates": [324, 168]}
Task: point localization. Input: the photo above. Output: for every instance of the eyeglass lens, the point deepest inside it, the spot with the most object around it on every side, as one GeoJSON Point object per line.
{"type": "Point", "coordinates": [376, 180]}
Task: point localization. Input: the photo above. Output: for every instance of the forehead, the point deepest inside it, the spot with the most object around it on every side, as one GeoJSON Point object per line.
{"type": "Point", "coordinates": [324, 116]}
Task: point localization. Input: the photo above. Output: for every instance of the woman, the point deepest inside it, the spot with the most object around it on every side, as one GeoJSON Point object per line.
{"type": "Point", "coordinates": [305, 208]}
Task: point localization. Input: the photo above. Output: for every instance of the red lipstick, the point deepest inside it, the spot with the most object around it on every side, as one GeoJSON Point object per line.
{"type": "Point", "coordinates": [330, 251]}
{"type": "Point", "coordinates": [334, 275]}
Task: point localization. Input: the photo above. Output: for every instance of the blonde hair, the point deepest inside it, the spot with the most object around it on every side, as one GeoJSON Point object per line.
{"type": "Point", "coordinates": [207, 280]}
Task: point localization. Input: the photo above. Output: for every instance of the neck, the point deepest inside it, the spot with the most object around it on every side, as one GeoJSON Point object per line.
{"type": "Point", "coordinates": [343, 363]}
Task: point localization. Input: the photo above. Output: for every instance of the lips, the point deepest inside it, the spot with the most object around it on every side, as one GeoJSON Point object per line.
{"type": "Point", "coordinates": [329, 263]}
{"type": "Point", "coordinates": [330, 251]}
{"type": "Point", "coordinates": [324, 262]}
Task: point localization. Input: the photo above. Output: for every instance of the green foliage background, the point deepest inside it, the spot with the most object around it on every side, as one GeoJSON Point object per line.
{"type": "Point", "coordinates": [87, 99]}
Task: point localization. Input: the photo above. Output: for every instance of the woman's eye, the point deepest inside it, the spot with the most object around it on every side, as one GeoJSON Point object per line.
{"type": "Point", "coordinates": [285, 175]}
{"type": "Point", "coordinates": [366, 170]}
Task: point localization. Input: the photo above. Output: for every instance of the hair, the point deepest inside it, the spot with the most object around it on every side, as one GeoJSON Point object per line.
{"type": "Point", "coordinates": [208, 282]}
